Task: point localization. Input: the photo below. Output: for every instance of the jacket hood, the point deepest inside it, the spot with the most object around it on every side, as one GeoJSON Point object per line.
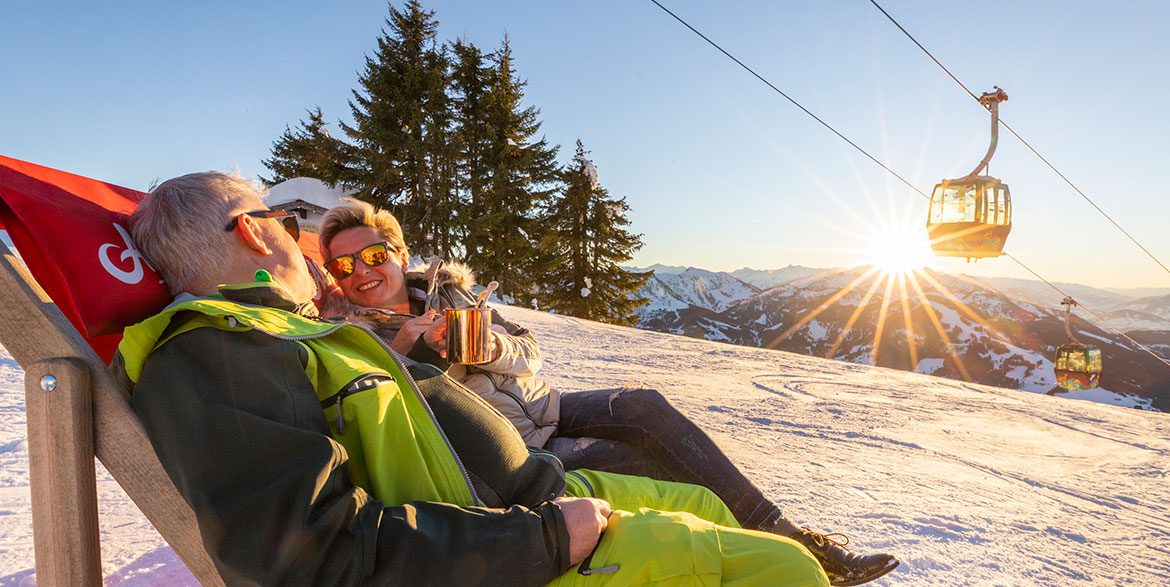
{"type": "Point", "coordinates": [260, 305]}
{"type": "Point", "coordinates": [453, 272]}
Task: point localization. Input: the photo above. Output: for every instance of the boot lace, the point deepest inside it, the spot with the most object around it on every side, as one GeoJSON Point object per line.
{"type": "Point", "coordinates": [823, 540]}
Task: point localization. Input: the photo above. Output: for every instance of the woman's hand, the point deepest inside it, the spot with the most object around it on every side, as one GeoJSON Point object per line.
{"type": "Point", "coordinates": [494, 346]}
{"type": "Point", "coordinates": [432, 327]}
{"type": "Point", "coordinates": [414, 328]}
{"type": "Point", "coordinates": [435, 334]}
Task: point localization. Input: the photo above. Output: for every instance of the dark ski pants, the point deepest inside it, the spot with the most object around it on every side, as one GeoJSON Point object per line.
{"type": "Point", "coordinates": [638, 432]}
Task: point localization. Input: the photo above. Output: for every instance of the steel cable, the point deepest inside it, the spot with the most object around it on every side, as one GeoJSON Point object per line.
{"type": "Point", "coordinates": [891, 171]}
{"type": "Point", "coordinates": [1021, 139]}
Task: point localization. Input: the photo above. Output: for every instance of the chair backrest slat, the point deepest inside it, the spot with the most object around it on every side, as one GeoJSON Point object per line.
{"type": "Point", "coordinates": [32, 328]}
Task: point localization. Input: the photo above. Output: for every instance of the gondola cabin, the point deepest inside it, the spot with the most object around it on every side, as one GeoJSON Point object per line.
{"type": "Point", "coordinates": [1078, 366]}
{"type": "Point", "coordinates": [969, 217]}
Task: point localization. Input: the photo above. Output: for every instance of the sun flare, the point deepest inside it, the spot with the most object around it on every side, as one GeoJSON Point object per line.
{"type": "Point", "coordinates": [899, 253]}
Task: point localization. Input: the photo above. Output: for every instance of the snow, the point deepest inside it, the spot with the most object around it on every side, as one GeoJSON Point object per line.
{"type": "Point", "coordinates": [769, 278]}
{"type": "Point", "coordinates": [1128, 322]}
{"type": "Point", "coordinates": [1035, 375]}
{"type": "Point", "coordinates": [1159, 306]}
{"type": "Point", "coordinates": [660, 269]}
{"type": "Point", "coordinates": [928, 366]}
{"type": "Point", "coordinates": [951, 319]}
{"type": "Point", "coordinates": [132, 551]}
{"type": "Point", "coordinates": [705, 289]}
{"type": "Point", "coordinates": [817, 331]}
{"type": "Point", "coordinates": [1082, 333]}
{"type": "Point", "coordinates": [967, 484]}
{"type": "Point", "coordinates": [661, 298]}
{"type": "Point", "coordinates": [1104, 396]}
{"type": "Point", "coordinates": [1033, 310]}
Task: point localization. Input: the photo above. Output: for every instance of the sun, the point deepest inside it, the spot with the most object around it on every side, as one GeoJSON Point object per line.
{"type": "Point", "coordinates": [899, 252]}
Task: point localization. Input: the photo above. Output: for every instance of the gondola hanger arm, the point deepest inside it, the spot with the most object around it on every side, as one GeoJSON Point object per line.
{"type": "Point", "coordinates": [990, 101]}
{"type": "Point", "coordinates": [1068, 304]}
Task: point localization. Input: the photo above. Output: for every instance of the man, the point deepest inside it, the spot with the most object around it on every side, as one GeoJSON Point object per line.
{"type": "Point", "coordinates": [311, 454]}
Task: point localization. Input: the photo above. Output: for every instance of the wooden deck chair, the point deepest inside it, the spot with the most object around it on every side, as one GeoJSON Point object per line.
{"type": "Point", "coordinates": [61, 319]}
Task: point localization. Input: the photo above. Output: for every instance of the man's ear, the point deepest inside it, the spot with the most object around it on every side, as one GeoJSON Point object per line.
{"type": "Point", "coordinates": [250, 233]}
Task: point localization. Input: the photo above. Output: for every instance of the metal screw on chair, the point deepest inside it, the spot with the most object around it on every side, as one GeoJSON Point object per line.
{"type": "Point", "coordinates": [48, 383]}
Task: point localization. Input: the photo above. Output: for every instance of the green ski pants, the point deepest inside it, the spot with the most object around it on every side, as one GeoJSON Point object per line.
{"type": "Point", "coordinates": [677, 534]}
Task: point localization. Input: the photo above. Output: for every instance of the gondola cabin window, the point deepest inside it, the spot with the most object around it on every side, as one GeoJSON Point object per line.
{"type": "Point", "coordinates": [1094, 360]}
{"type": "Point", "coordinates": [1072, 360]}
{"type": "Point", "coordinates": [954, 204]}
{"type": "Point", "coordinates": [997, 205]}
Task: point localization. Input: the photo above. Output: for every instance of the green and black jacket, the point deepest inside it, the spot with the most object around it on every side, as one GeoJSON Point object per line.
{"type": "Point", "coordinates": [312, 455]}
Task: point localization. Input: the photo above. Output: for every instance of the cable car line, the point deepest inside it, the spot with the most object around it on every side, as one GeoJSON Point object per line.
{"type": "Point", "coordinates": [1090, 311]}
{"type": "Point", "coordinates": [1021, 139]}
{"type": "Point", "coordinates": [790, 99]}
{"type": "Point", "coordinates": [894, 173]}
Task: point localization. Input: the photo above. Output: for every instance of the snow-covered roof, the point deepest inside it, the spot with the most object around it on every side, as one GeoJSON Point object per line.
{"type": "Point", "coordinates": [313, 191]}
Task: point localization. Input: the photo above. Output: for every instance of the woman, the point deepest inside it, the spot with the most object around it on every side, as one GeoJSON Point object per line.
{"type": "Point", "coordinates": [632, 431]}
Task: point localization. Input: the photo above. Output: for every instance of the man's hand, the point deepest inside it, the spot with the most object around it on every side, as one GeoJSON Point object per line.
{"type": "Point", "coordinates": [586, 518]}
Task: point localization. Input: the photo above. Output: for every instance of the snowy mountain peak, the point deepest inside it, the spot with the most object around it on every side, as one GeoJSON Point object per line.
{"type": "Point", "coordinates": [949, 325]}
{"type": "Point", "coordinates": [693, 287]}
{"type": "Point", "coordinates": [768, 278]}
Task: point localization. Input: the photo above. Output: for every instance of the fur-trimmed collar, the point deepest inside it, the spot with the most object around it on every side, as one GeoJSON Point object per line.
{"type": "Point", "coordinates": [453, 272]}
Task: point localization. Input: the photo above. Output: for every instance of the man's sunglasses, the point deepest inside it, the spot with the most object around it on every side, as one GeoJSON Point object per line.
{"type": "Point", "coordinates": [288, 219]}
{"type": "Point", "coordinates": [342, 266]}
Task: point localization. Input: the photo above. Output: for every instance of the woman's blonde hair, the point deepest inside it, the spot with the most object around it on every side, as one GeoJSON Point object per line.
{"type": "Point", "coordinates": [353, 213]}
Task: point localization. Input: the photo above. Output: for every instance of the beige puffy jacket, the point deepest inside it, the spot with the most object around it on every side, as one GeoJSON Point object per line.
{"type": "Point", "coordinates": [509, 383]}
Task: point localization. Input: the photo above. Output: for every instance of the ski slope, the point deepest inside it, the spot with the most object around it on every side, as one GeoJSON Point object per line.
{"type": "Point", "coordinates": [967, 484]}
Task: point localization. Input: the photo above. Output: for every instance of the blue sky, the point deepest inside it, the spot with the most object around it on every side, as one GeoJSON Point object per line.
{"type": "Point", "coordinates": [721, 173]}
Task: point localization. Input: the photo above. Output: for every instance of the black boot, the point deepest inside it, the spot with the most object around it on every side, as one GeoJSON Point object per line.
{"type": "Point", "coordinates": [843, 566]}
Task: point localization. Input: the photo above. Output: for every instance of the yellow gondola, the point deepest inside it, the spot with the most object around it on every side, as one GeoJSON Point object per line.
{"type": "Point", "coordinates": [1077, 366]}
{"type": "Point", "coordinates": [972, 216]}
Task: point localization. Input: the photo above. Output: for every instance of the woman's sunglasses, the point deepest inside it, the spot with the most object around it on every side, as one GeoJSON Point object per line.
{"type": "Point", "coordinates": [288, 219]}
{"type": "Point", "coordinates": [342, 266]}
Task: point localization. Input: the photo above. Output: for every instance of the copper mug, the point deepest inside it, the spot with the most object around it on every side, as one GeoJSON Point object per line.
{"type": "Point", "coordinates": [469, 332]}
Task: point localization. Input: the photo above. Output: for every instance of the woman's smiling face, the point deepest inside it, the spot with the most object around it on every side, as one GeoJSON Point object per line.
{"type": "Point", "coordinates": [383, 286]}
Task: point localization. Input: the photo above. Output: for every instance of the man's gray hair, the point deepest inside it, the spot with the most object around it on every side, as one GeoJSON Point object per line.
{"type": "Point", "coordinates": [179, 227]}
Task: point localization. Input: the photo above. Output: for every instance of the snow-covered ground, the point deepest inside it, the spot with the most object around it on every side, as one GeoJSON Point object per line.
{"type": "Point", "coordinates": [969, 485]}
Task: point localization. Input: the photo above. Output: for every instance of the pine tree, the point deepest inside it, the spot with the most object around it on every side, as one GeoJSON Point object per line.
{"type": "Point", "coordinates": [308, 151]}
{"type": "Point", "coordinates": [470, 80]}
{"type": "Point", "coordinates": [441, 138]}
{"type": "Point", "coordinates": [502, 240]}
{"type": "Point", "coordinates": [401, 129]}
{"type": "Point", "coordinates": [439, 224]}
{"type": "Point", "coordinates": [586, 243]}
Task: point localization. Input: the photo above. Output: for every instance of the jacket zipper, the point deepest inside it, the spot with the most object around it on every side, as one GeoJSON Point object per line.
{"type": "Point", "coordinates": [351, 388]}
{"type": "Point", "coordinates": [409, 378]}
{"type": "Point", "coordinates": [523, 408]}
{"type": "Point", "coordinates": [414, 387]}
{"type": "Point", "coordinates": [234, 322]}
{"type": "Point", "coordinates": [519, 402]}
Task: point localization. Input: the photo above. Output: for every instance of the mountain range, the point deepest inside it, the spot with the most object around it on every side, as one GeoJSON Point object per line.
{"type": "Point", "coordinates": [995, 331]}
